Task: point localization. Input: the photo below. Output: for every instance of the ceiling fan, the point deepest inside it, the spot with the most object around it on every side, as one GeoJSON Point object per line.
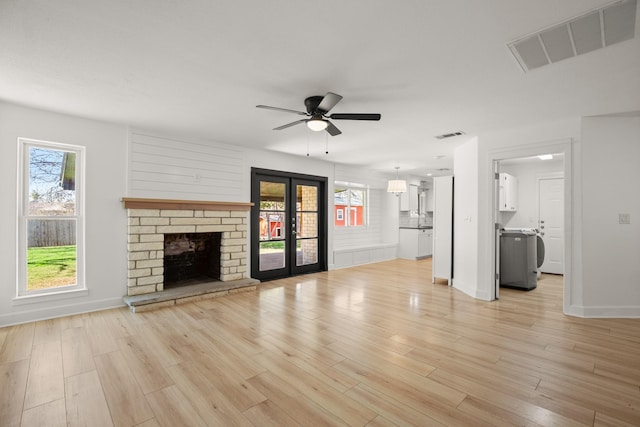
{"type": "Point", "coordinates": [318, 108]}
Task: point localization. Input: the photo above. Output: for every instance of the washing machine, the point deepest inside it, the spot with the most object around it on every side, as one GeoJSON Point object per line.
{"type": "Point", "coordinates": [521, 255]}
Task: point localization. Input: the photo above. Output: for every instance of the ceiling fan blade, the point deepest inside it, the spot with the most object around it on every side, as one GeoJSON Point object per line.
{"type": "Point", "coordinates": [333, 131]}
{"type": "Point", "coordinates": [267, 107]}
{"type": "Point", "coordinates": [328, 102]}
{"type": "Point", "coordinates": [297, 122]}
{"type": "Point", "coordinates": [355, 116]}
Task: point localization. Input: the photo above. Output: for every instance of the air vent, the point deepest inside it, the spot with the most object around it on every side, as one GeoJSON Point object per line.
{"type": "Point", "coordinates": [448, 135]}
{"type": "Point", "coordinates": [584, 33]}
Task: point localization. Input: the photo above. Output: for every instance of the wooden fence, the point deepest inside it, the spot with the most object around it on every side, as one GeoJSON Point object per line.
{"type": "Point", "coordinates": [46, 232]}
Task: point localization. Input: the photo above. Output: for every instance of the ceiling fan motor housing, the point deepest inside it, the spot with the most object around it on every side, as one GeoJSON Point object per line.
{"type": "Point", "coordinates": [312, 103]}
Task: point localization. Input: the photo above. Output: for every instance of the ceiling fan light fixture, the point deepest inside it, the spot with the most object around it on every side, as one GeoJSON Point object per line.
{"type": "Point", "coordinates": [317, 123]}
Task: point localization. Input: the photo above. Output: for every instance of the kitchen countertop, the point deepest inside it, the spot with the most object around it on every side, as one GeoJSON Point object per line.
{"type": "Point", "coordinates": [417, 227]}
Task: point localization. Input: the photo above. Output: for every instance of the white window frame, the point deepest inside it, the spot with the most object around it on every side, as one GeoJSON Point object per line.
{"type": "Point", "coordinates": [24, 144]}
{"type": "Point", "coordinates": [347, 214]}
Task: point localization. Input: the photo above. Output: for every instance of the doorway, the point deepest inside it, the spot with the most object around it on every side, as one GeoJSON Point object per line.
{"type": "Point", "coordinates": [288, 224]}
{"type": "Point", "coordinates": [528, 216]}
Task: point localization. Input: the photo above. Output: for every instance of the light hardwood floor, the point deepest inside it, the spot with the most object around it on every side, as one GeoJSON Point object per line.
{"type": "Point", "coordinates": [377, 345]}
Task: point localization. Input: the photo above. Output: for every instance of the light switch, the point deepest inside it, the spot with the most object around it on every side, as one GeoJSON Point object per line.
{"type": "Point", "coordinates": [624, 218]}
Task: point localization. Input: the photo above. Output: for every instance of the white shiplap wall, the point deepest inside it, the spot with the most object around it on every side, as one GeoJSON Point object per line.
{"type": "Point", "coordinates": [171, 168]}
{"type": "Point", "coordinates": [374, 233]}
{"type": "Point", "coordinates": [345, 237]}
{"type": "Point", "coordinates": [374, 242]}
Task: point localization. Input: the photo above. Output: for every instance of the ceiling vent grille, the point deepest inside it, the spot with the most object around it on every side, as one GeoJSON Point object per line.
{"type": "Point", "coordinates": [448, 135]}
{"type": "Point", "coordinates": [593, 30]}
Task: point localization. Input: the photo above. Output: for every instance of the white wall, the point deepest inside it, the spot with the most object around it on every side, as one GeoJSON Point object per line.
{"type": "Point", "coordinates": [140, 163]}
{"type": "Point", "coordinates": [465, 217]}
{"type": "Point", "coordinates": [528, 175]}
{"type": "Point", "coordinates": [514, 143]}
{"type": "Point", "coordinates": [376, 241]}
{"type": "Point", "coordinates": [106, 258]}
{"type": "Point", "coordinates": [377, 229]}
{"type": "Point", "coordinates": [610, 251]}
{"type": "Point", "coordinates": [601, 170]}
{"type": "Point", "coordinates": [169, 167]}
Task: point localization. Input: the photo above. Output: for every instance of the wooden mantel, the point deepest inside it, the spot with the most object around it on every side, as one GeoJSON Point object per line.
{"type": "Point", "coordinates": [138, 203]}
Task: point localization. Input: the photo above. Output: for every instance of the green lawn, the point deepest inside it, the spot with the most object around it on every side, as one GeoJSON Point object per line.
{"type": "Point", "coordinates": [272, 245]}
{"type": "Point", "coordinates": [51, 266]}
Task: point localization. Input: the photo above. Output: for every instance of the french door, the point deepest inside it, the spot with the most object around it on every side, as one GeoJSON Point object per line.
{"type": "Point", "coordinates": [288, 224]}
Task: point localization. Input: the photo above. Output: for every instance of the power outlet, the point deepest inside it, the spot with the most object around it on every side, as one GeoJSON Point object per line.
{"type": "Point", "coordinates": [624, 218]}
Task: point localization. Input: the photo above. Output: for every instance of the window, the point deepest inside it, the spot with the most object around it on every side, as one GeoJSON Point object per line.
{"type": "Point", "coordinates": [350, 205]}
{"type": "Point", "coordinates": [51, 218]}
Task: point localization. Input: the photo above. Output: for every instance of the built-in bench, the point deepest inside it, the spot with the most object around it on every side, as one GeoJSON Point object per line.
{"type": "Point", "coordinates": [366, 254]}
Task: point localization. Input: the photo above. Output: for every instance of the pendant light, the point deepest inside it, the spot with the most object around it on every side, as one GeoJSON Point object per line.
{"type": "Point", "coordinates": [397, 185]}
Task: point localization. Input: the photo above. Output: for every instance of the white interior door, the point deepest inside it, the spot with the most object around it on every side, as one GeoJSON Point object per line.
{"type": "Point", "coordinates": [551, 205]}
{"type": "Point", "coordinates": [442, 228]}
{"type": "Point", "coordinates": [496, 232]}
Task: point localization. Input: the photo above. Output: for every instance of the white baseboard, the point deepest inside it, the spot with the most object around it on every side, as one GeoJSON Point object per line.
{"type": "Point", "coordinates": [25, 316]}
{"type": "Point", "coordinates": [471, 291]}
{"type": "Point", "coordinates": [632, 312]}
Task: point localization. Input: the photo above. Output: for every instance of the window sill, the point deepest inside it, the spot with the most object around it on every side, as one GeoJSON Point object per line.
{"type": "Point", "coordinates": [50, 296]}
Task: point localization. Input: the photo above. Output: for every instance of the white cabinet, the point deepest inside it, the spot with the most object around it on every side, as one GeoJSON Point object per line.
{"type": "Point", "coordinates": [404, 201]}
{"type": "Point", "coordinates": [415, 243]}
{"type": "Point", "coordinates": [508, 195]}
{"type": "Point", "coordinates": [409, 200]}
{"type": "Point", "coordinates": [425, 243]}
{"type": "Point", "coordinates": [413, 198]}
{"type": "Point", "coordinates": [429, 200]}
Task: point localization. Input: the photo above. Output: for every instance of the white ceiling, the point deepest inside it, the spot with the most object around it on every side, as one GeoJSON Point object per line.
{"type": "Point", "coordinates": [199, 68]}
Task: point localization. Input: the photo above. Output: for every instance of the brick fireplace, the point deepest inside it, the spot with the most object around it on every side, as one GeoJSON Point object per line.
{"type": "Point", "coordinates": [150, 220]}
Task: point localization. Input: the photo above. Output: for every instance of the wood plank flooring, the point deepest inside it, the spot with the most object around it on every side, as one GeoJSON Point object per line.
{"type": "Point", "coordinates": [376, 345]}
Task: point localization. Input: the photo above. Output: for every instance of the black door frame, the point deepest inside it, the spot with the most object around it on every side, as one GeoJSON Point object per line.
{"type": "Point", "coordinates": [258, 174]}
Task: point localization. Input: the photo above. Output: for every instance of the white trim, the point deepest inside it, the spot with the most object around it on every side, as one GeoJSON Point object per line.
{"type": "Point", "coordinates": [15, 318]}
{"type": "Point", "coordinates": [23, 218]}
{"type": "Point", "coordinates": [49, 296]}
{"type": "Point", "coordinates": [364, 188]}
{"type": "Point", "coordinates": [630, 312]}
{"type": "Point", "coordinates": [564, 146]}
{"type": "Point", "coordinates": [469, 290]}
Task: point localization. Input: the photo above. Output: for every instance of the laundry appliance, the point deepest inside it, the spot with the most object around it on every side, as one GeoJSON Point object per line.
{"type": "Point", "coordinates": [521, 255]}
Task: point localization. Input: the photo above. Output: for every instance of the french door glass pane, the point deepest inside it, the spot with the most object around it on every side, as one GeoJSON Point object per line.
{"type": "Point", "coordinates": [51, 253]}
{"type": "Point", "coordinates": [307, 198]}
{"type": "Point", "coordinates": [272, 255]}
{"type": "Point", "coordinates": [273, 225]}
{"type": "Point", "coordinates": [306, 251]}
{"type": "Point", "coordinates": [307, 225]}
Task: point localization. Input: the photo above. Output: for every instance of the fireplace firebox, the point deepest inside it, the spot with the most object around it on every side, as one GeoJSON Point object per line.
{"type": "Point", "coordinates": [191, 258]}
